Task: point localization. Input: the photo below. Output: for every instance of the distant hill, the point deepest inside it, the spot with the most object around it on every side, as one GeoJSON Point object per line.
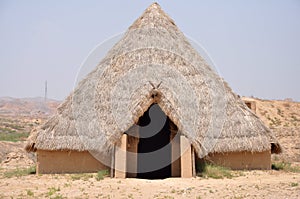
{"type": "Point", "coordinates": [28, 107]}
{"type": "Point", "coordinates": [19, 116]}
{"type": "Point", "coordinates": [278, 113]}
{"type": "Point", "coordinates": [283, 117]}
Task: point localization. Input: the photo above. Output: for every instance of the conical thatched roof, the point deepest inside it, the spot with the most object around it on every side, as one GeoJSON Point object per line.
{"type": "Point", "coordinates": [120, 89]}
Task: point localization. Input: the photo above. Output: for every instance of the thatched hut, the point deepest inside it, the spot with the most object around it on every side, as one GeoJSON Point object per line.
{"type": "Point", "coordinates": [101, 125]}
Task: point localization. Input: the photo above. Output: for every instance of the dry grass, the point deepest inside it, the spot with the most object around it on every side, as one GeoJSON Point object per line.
{"type": "Point", "coordinates": [86, 176]}
{"type": "Point", "coordinates": [19, 172]}
{"type": "Point", "coordinates": [208, 170]}
{"type": "Point", "coordinates": [82, 176]}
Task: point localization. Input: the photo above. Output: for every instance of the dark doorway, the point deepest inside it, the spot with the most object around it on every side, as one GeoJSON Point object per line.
{"type": "Point", "coordinates": [154, 149]}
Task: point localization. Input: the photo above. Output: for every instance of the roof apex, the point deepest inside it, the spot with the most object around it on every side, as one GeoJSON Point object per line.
{"type": "Point", "coordinates": [153, 17]}
{"type": "Point", "coordinates": [154, 6]}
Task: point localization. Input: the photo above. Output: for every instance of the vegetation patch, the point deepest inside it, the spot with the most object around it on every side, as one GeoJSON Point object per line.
{"type": "Point", "coordinates": [280, 112]}
{"type": "Point", "coordinates": [19, 172]}
{"type": "Point", "coordinates": [285, 166]}
{"type": "Point", "coordinates": [101, 174]}
{"type": "Point", "coordinates": [213, 171]}
{"type": "Point", "coordinates": [30, 193]}
{"type": "Point", "coordinates": [82, 176]}
{"type": "Point", "coordinates": [14, 130]}
{"type": "Point", "coordinates": [13, 136]}
{"type": "Point", "coordinates": [52, 191]}
{"type": "Point", "coordinates": [86, 176]}
{"type": "Point", "coordinates": [274, 122]}
{"type": "Point", "coordinates": [294, 184]}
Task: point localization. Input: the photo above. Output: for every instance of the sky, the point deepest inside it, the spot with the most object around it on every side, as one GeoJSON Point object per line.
{"type": "Point", "coordinates": [255, 44]}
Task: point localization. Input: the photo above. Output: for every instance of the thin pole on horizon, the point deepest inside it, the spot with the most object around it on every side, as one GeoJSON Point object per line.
{"type": "Point", "coordinates": [46, 89]}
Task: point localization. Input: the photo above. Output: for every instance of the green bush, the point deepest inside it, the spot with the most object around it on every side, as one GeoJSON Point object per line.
{"type": "Point", "coordinates": [101, 174]}
{"type": "Point", "coordinates": [278, 166]}
{"type": "Point", "coordinates": [294, 184]}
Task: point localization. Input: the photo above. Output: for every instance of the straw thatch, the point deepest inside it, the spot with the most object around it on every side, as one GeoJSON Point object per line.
{"type": "Point", "coordinates": [111, 98]}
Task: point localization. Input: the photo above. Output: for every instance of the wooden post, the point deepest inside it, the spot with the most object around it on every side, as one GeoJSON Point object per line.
{"type": "Point", "coordinates": [132, 156]}
{"type": "Point", "coordinates": [175, 147]}
{"type": "Point", "coordinates": [186, 158]}
{"type": "Point", "coordinates": [112, 166]}
{"type": "Point", "coordinates": [193, 162]}
{"type": "Point", "coordinates": [37, 163]}
{"type": "Point", "coordinates": [120, 158]}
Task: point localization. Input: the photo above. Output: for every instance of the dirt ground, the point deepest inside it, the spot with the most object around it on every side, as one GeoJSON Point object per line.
{"type": "Point", "coordinates": [253, 184]}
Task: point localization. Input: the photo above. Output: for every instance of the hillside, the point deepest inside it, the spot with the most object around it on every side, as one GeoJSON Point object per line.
{"type": "Point", "coordinates": [19, 116]}
{"type": "Point", "coordinates": [283, 117]}
{"type": "Point", "coordinates": [27, 107]}
{"type": "Point", "coordinates": [278, 114]}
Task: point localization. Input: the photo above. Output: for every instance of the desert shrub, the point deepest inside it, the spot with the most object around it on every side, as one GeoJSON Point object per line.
{"type": "Point", "coordinates": [274, 122]}
{"type": "Point", "coordinates": [280, 112]}
{"type": "Point", "coordinates": [30, 193]}
{"type": "Point", "coordinates": [101, 174]}
{"type": "Point", "coordinates": [285, 166]}
{"type": "Point", "coordinates": [52, 191]}
{"type": "Point", "coordinates": [294, 184]}
{"type": "Point", "coordinates": [278, 166]}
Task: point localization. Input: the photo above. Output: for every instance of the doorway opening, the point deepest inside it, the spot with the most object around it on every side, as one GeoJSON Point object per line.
{"type": "Point", "coordinates": [154, 149]}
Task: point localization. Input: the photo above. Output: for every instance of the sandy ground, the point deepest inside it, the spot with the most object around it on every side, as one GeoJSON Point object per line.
{"type": "Point", "coordinates": [250, 184]}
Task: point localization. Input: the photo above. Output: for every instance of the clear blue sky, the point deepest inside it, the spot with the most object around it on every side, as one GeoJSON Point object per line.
{"type": "Point", "coordinates": [255, 44]}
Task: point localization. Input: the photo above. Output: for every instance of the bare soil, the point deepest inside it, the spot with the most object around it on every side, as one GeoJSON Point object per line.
{"type": "Point", "coordinates": [253, 184]}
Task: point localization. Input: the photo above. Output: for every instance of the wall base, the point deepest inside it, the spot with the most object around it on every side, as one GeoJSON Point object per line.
{"type": "Point", "coordinates": [67, 162]}
{"type": "Point", "coordinates": [242, 160]}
